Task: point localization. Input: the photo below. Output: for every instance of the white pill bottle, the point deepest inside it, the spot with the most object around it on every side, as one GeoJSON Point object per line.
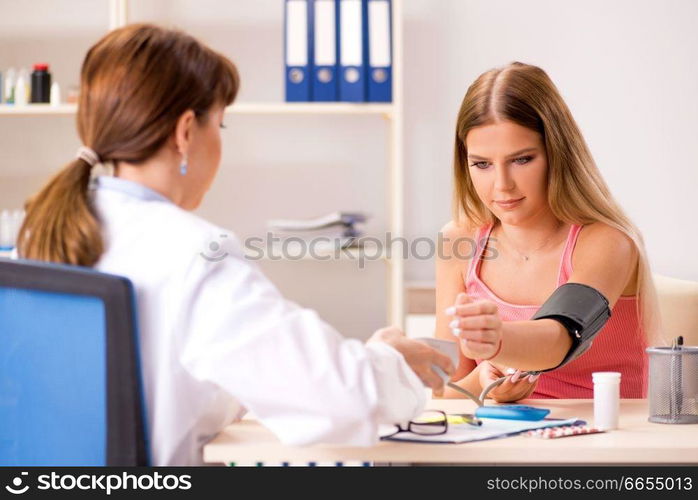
{"type": "Point", "coordinates": [606, 399]}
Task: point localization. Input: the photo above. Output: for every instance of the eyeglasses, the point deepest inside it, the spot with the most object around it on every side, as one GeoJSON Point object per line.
{"type": "Point", "coordinates": [434, 423]}
{"type": "Point", "coordinates": [429, 423]}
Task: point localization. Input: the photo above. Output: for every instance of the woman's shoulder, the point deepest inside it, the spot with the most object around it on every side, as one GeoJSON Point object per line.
{"type": "Point", "coordinates": [458, 229]}
{"type": "Point", "coordinates": [601, 238]}
{"type": "Point", "coordinates": [607, 250]}
{"type": "Point", "coordinates": [458, 238]}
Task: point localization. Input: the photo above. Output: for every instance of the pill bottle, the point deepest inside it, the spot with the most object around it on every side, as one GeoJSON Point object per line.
{"type": "Point", "coordinates": [606, 399]}
{"type": "Point", "coordinates": [41, 83]}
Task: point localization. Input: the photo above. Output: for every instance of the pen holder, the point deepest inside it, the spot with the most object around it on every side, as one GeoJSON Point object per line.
{"type": "Point", "coordinates": [673, 385]}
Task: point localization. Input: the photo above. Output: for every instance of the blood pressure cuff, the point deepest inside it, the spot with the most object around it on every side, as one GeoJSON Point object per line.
{"type": "Point", "coordinates": [582, 310]}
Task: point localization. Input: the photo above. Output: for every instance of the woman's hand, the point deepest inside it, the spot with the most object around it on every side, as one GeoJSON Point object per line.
{"type": "Point", "coordinates": [513, 388]}
{"type": "Point", "coordinates": [477, 325]}
{"type": "Point", "coordinates": [418, 355]}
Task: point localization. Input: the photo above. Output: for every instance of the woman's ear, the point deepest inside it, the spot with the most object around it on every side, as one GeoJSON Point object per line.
{"type": "Point", "coordinates": [183, 131]}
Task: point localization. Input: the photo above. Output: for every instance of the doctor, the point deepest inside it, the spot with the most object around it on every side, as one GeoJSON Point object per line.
{"type": "Point", "coordinates": [217, 339]}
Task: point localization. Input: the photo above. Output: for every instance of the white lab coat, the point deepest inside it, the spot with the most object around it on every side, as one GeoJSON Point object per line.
{"type": "Point", "coordinates": [218, 339]}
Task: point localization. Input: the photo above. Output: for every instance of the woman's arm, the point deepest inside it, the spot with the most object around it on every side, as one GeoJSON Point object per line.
{"type": "Point", "coordinates": [604, 259]}
{"type": "Point", "coordinates": [533, 345]}
{"type": "Point", "coordinates": [451, 264]}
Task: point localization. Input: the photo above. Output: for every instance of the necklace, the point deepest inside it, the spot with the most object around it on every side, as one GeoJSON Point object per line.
{"type": "Point", "coordinates": [526, 258]}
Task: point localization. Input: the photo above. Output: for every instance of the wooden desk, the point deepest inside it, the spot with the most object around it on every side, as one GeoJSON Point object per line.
{"type": "Point", "coordinates": [637, 441]}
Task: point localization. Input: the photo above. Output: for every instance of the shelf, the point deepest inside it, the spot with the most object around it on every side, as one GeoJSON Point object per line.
{"type": "Point", "coordinates": [242, 108]}
{"type": "Point", "coordinates": [390, 116]}
{"type": "Point", "coordinates": [310, 108]}
{"type": "Point", "coordinates": [37, 109]}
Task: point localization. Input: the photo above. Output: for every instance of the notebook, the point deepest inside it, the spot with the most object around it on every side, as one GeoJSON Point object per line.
{"type": "Point", "coordinates": [491, 428]}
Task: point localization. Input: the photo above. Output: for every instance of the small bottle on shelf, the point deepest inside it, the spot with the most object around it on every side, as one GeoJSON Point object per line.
{"type": "Point", "coordinates": [55, 94]}
{"type": "Point", "coordinates": [8, 88]}
{"type": "Point", "coordinates": [40, 84]}
{"type": "Point", "coordinates": [72, 94]}
{"type": "Point", "coordinates": [17, 220]}
{"type": "Point", "coordinates": [6, 242]}
{"type": "Point", "coordinates": [21, 89]}
{"type": "Point", "coordinates": [10, 223]}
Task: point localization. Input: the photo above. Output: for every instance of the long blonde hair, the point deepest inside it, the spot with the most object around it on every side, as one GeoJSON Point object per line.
{"type": "Point", "coordinates": [135, 83]}
{"type": "Point", "coordinates": [577, 194]}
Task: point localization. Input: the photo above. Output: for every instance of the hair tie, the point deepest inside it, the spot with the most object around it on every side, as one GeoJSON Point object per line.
{"type": "Point", "coordinates": [88, 155]}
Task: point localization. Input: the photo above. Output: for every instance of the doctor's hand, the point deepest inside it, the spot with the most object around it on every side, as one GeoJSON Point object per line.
{"type": "Point", "coordinates": [477, 325]}
{"type": "Point", "coordinates": [419, 356]}
{"type": "Point", "coordinates": [514, 388]}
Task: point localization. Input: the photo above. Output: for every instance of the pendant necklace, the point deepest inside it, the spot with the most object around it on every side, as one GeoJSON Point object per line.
{"type": "Point", "coordinates": [526, 258]}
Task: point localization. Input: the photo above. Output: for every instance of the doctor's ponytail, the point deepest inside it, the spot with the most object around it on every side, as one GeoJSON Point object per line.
{"type": "Point", "coordinates": [60, 225]}
{"type": "Point", "coordinates": [135, 83]}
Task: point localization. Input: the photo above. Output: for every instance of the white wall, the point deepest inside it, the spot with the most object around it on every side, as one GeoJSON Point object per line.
{"type": "Point", "coordinates": [627, 70]}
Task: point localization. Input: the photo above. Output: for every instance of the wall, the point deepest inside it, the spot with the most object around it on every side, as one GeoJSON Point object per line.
{"type": "Point", "coordinates": [627, 70]}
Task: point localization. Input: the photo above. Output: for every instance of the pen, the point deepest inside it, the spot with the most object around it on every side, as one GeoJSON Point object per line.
{"type": "Point", "coordinates": [455, 418]}
{"type": "Point", "coordinates": [464, 418]}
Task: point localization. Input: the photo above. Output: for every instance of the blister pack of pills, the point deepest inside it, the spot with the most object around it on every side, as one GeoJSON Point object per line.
{"type": "Point", "coordinates": [564, 431]}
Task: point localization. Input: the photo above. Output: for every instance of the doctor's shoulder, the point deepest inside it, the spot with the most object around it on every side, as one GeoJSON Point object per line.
{"type": "Point", "coordinates": [193, 237]}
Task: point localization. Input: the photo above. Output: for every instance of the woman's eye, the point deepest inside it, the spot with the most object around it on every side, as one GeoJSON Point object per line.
{"type": "Point", "coordinates": [523, 160]}
{"type": "Point", "coordinates": [479, 164]}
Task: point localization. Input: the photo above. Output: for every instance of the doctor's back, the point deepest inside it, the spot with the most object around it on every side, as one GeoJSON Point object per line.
{"type": "Point", "coordinates": [216, 337]}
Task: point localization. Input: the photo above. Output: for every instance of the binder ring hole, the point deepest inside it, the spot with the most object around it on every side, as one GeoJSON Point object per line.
{"type": "Point", "coordinates": [351, 75]}
{"type": "Point", "coordinates": [324, 75]}
{"type": "Point", "coordinates": [380, 75]}
{"type": "Point", "coordinates": [296, 75]}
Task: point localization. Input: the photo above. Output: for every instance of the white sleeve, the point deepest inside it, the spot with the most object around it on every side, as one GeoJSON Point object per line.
{"type": "Point", "coordinates": [298, 375]}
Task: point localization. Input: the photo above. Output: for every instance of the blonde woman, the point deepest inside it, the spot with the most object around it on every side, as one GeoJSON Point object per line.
{"type": "Point", "coordinates": [530, 199]}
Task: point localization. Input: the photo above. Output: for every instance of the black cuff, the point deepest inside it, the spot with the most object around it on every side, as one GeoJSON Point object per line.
{"type": "Point", "coordinates": [582, 310]}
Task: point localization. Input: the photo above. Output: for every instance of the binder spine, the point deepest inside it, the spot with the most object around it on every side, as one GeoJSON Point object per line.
{"type": "Point", "coordinates": [325, 49]}
{"type": "Point", "coordinates": [380, 51]}
{"type": "Point", "coordinates": [298, 50]}
{"type": "Point", "coordinates": [352, 78]}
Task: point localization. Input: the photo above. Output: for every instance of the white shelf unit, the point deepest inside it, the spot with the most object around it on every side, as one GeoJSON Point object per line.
{"type": "Point", "coordinates": [37, 109]}
{"type": "Point", "coordinates": [242, 108]}
{"type": "Point", "coordinates": [391, 112]}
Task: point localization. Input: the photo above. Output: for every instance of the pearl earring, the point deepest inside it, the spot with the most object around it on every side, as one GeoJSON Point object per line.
{"type": "Point", "coordinates": [183, 166]}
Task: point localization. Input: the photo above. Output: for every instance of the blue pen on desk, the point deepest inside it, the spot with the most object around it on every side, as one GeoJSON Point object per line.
{"type": "Point", "coordinates": [512, 412]}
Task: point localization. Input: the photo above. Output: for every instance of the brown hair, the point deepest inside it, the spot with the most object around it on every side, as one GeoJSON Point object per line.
{"type": "Point", "coordinates": [135, 84]}
{"type": "Point", "coordinates": [577, 194]}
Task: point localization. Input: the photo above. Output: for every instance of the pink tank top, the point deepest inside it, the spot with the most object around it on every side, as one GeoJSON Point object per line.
{"type": "Point", "coordinates": [618, 347]}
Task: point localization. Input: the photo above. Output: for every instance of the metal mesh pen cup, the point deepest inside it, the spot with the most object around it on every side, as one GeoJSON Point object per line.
{"type": "Point", "coordinates": [673, 385]}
